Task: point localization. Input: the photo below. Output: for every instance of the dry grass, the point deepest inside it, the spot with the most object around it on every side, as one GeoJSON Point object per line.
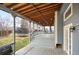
{"type": "Point", "coordinates": [20, 41]}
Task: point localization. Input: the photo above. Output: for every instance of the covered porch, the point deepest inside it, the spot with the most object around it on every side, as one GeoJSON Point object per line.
{"type": "Point", "coordinates": [39, 22]}
{"type": "Point", "coordinates": [39, 28]}
{"type": "Point", "coordinates": [42, 44]}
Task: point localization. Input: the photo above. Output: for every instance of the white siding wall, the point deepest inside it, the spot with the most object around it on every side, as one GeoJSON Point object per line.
{"type": "Point", "coordinates": [74, 19]}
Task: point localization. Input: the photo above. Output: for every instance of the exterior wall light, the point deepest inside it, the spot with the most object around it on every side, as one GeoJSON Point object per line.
{"type": "Point", "coordinates": [72, 28]}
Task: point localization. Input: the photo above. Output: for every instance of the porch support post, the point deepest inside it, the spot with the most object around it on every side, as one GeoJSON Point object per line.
{"type": "Point", "coordinates": [30, 30]}
{"type": "Point", "coordinates": [37, 27]}
{"type": "Point", "coordinates": [33, 25]}
{"type": "Point", "coordinates": [14, 41]}
{"type": "Point", "coordinates": [58, 30]}
{"type": "Point", "coordinates": [50, 29]}
{"type": "Point", "coordinates": [44, 28]}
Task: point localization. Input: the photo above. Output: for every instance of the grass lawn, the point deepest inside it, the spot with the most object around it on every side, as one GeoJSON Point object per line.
{"type": "Point", "coordinates": [20, 41]}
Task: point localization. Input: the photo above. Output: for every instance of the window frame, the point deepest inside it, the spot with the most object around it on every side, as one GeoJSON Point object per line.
{"type": "Point", "coordinates": [68, 8]}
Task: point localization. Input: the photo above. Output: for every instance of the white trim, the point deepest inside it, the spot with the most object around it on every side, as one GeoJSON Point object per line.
{"type": "Point", "coordinates": [67, 47]}
{"type": "Point", "coordinates": [69, 33]}
{"type": "Point", "coordinates": [72, 43]}
{"type": "Point", "coordinates": [69, 39]}
{"type": "Point", "coordinates": [56, 23]}
{"type": "Point", "coordinates": [65, 40]}
{"type": "Point", "coordinates": [70, 6]}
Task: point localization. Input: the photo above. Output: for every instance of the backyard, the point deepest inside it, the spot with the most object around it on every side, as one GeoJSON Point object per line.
{"type": "Point", "coordinates": [20, 41]}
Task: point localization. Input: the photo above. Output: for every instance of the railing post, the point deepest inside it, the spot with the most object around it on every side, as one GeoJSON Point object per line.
{"type": "Point", "coordinates": [44, 28]}
{"type": "Point", "coordinates": [33, 25]}
{"type": "Point", "coordinates": [14, 36]}
{"type": "Point", "coordinates": [30, 30]}
{"type": "Point", "coordinates": [50, 29]}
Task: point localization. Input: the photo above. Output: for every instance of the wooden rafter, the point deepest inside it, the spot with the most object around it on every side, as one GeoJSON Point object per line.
{"type": "Point", "coordinates": [42, 13]}
{"type": "Point", "coordinates": [18, 6]}
{"type": "Point", "coordinates": [37, 20]}
{"type": "Point", "coordinates": [40, 9]}
{"type": "Point", "coordinates": [24, 8]}
{"type": "Point", "coordinates": [45, 13]}
{"type": "Point", "coordinates": [29, 9]}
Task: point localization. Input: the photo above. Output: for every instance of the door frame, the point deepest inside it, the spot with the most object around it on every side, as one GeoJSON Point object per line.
{"type": "Point", "coordinates": [69, 39]}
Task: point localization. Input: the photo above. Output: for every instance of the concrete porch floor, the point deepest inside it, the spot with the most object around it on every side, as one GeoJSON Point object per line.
{"type": "Point", "coordinates": [42, 44]}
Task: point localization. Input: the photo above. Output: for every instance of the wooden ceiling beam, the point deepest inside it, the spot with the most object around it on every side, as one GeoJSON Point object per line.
{"type": "Point", "coordinates": [48, 10]}
{"type": "Point", "coordinates": [40, 22]}
{"type": "Point", "coordinates": [42, 5]}
{"type": "Point", "coordinates": [10, 4]}
{"type": "Point", "coordinates": [7, 4]}
{"type": "Point", "coordinates": [31, 19]}
{"type": "Point", "coordinates": [24, 8]}
{"type": "Point", "coordinates": [45, 18]}
{"type": "Point", "coordinates": [48, 17]}
{"type": "Point", "coordinates": [36, 20]}
{"type": "Point", "coordinates": [51, 6]}
{"type": "Point", "coordinates": [33, 9]}
{"type": "Point", "coordinates": [40, 9]}
{"type": "Point", "coordinates": [33, 14]}
{"type": "Point", "coordinates": [26, 4]}
{"type": "Point", "coordinates": [39, 19]}
{"type": "Point", "coordinates": [41, 15]}
{"type": "Point", "coordinates": [46, 13]}
{"type": "Point", "coordinates": [18, 6]}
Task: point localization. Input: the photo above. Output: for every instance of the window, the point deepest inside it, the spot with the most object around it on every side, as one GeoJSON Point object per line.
{"type": "Point", "coordinates": [68, 12]}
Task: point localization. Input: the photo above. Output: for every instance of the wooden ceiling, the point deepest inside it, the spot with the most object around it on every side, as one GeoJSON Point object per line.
{"type": "Point", "coordinates": [42, 13]}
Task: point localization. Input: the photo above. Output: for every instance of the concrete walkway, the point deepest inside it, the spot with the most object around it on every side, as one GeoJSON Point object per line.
{"type": "Point", "coordinates": [42, 44]}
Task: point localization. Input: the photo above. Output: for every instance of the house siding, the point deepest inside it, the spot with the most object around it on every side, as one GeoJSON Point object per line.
{"type": "Point", "coordinates": [74, 19]}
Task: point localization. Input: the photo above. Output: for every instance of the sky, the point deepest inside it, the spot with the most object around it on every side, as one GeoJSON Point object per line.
{"type": "Point", "coordinates": [7, 19]}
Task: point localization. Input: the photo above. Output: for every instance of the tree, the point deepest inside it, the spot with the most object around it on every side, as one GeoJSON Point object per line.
{"type": "Point", "coordinates": [4, 26]}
